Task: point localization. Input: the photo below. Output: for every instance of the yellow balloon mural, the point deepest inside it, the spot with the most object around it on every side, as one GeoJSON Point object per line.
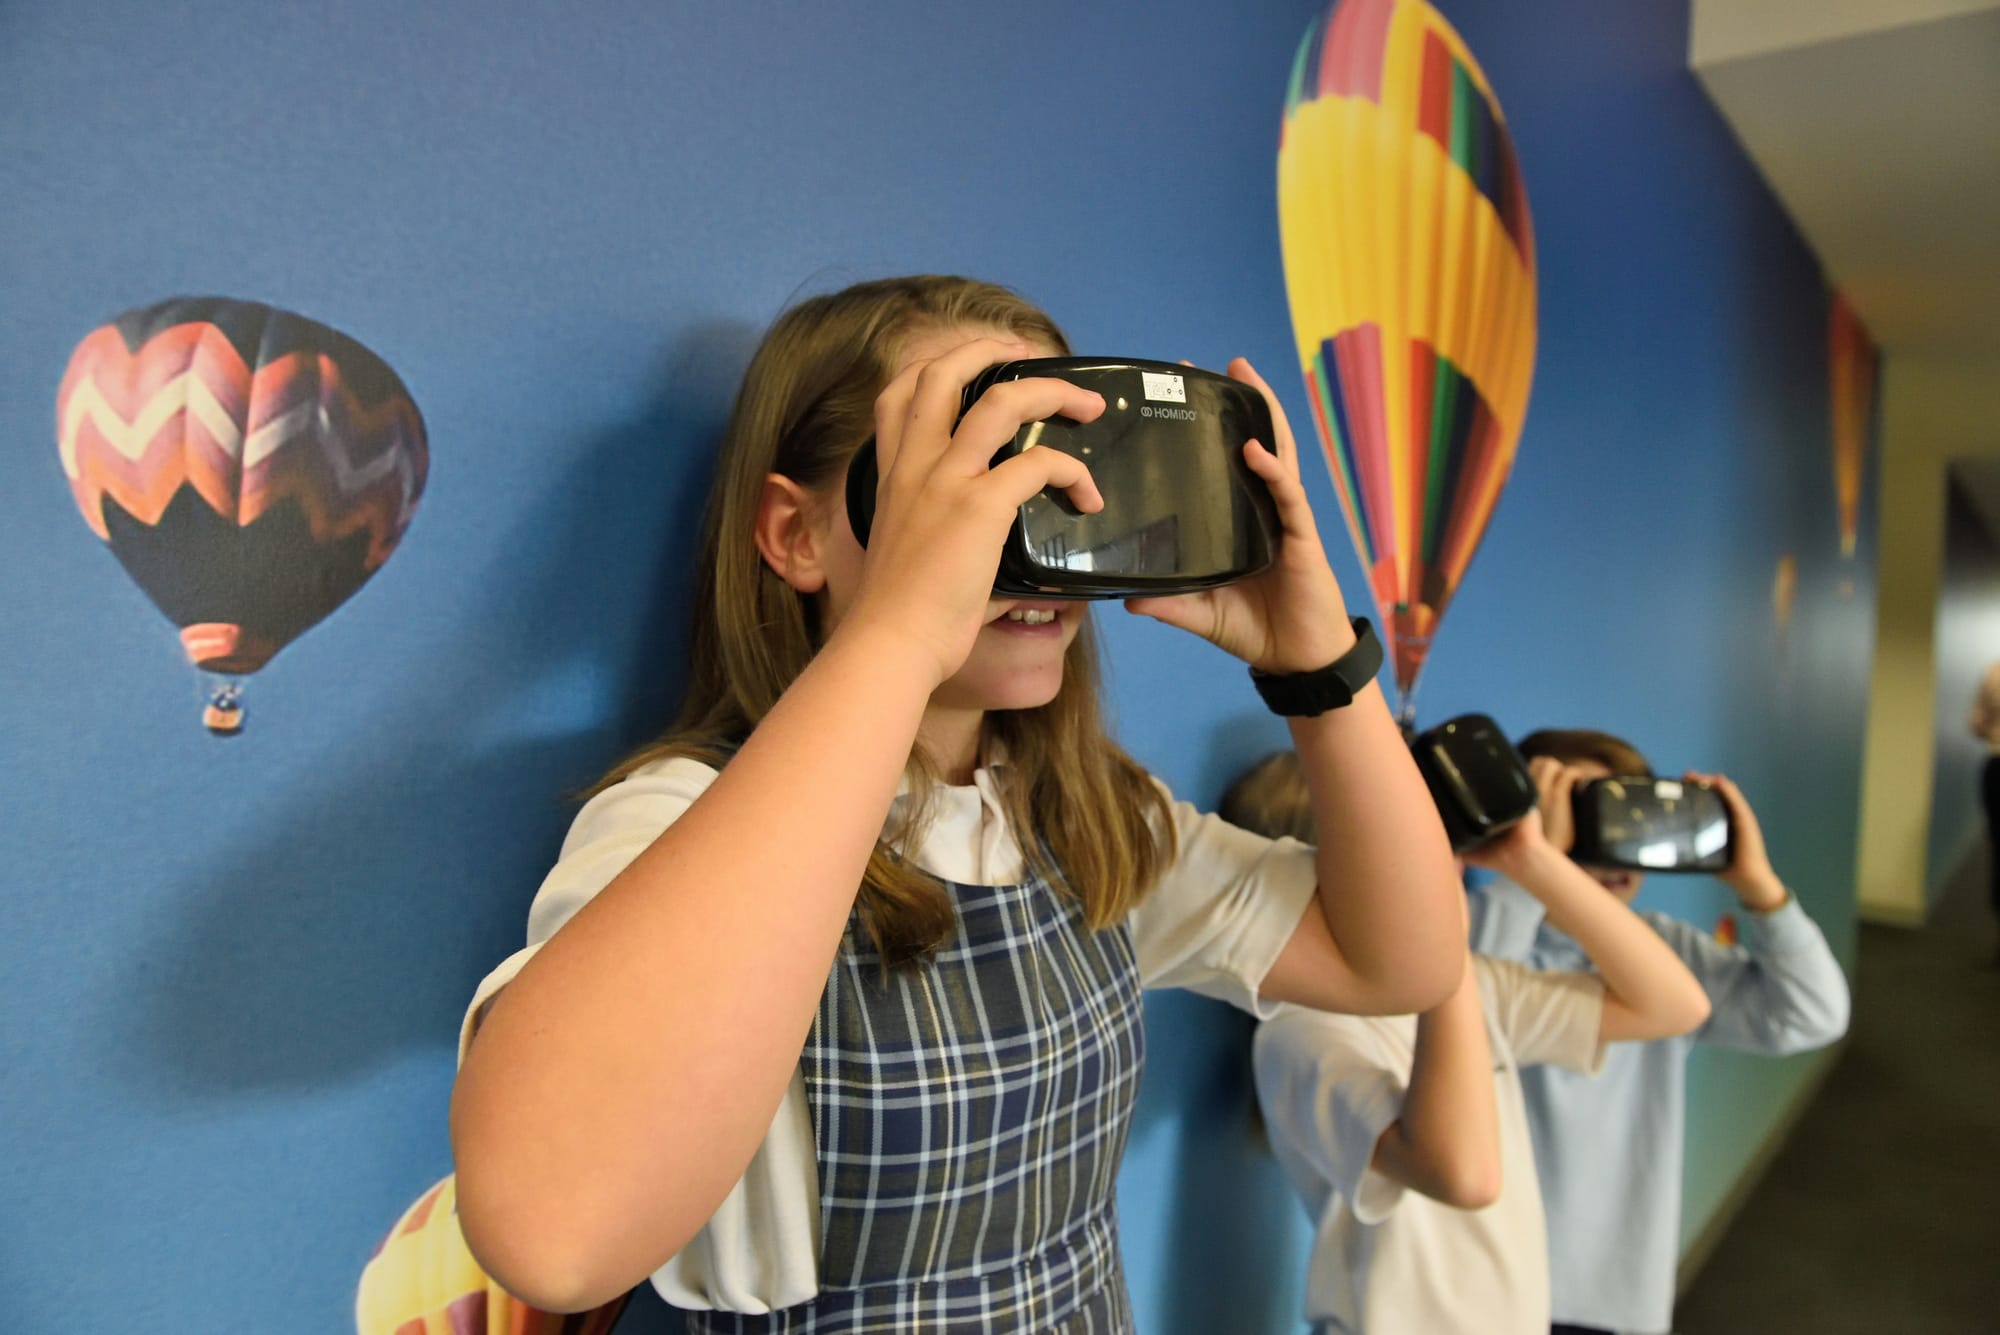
{"type": "Point", "coordinates": [423, 1281]}
{"type": "Point", "coordinates": [1410, 265]}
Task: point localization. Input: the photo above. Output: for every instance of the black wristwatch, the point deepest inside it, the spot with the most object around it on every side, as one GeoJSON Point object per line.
{"type": "Point", "coordinates": [1331, 687]}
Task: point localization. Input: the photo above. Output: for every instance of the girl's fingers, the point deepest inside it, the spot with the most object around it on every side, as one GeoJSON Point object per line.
{"type": "Point", "coordinates": [1183, 611]}
{"type": "Point", "coordinates": [1037, 469]}
{"type": "Point", "coordinates": [939, 387]}
{"type": "Point", "coordinates": [1286, 446]}
{"type": "Point", "coordinates": [1005, 408]}
{"type": "Point", "coordinates": [892, 410]}
{"type": "Point", "coordinates": [1287, 492]}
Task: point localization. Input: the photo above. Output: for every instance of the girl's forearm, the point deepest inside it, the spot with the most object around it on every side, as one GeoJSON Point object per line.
{"type": "Point", "coordinates": [1387, 883]}
{"type": "Point", "coordinates": [622, 1082]}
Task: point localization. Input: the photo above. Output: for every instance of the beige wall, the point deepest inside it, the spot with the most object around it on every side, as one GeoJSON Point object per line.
{"type": "Point", "coordinates": [1732, 29]}
{"type": "Point", "coordinates": [1934, 410]}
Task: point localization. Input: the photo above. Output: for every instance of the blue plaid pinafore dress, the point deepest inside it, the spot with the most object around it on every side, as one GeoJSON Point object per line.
{"type": "Point", "coordinates": [969, 1114]}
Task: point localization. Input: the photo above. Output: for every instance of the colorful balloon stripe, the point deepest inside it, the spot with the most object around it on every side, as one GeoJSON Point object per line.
{"type": "Point", "coordinates": [1410, 269]}
{"type": "Point", "coordinates": [1457, 436]}
{"type": "Point", "coordinates": [1350, 56]}
{"type": "Point", "coordinates": [1347, 54]}
{"type": "Point", "coordinates": [1454, 111]}
{"type": "Point", "coordinates": [1852, 364]}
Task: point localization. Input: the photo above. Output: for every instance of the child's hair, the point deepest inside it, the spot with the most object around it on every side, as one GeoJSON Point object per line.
{"type": "Point", "coordinates": [1570, 745]}
{"type": "Point", "coordinates": [1085, 813]}
{"type": "Point", "coordinates": [1271, 799]}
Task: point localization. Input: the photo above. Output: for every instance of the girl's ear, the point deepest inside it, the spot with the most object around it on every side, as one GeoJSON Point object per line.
{"type": "Point", "coordinates": [788, 535]}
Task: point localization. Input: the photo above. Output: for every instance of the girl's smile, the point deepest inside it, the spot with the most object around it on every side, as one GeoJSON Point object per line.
{"type": "Point", "coordinates": [1033, 620]}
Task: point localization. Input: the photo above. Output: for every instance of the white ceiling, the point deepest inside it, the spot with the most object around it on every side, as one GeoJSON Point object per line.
{"type": "Point", "coordinates": [1877, 122]}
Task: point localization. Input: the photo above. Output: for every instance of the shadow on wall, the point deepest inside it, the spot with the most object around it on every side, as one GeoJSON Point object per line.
{"type": "Point", "coordinates": [356, 929]}
{"type": "Point", "coordinates": [1229, 1209]}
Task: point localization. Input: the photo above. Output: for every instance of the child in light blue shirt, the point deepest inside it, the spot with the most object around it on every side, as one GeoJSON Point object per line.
{"type": "Point", "coordinates": [1609, 1149]}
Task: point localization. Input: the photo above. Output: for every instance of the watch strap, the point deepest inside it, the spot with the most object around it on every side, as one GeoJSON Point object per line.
{"type": "Point", "coordinates": [1306, 694]}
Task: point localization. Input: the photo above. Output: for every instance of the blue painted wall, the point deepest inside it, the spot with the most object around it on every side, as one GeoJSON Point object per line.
{"type": "Point", "coordinates": [236, 968]}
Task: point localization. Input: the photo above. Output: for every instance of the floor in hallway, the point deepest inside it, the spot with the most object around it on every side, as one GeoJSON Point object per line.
{"type": "Point", "coordinates": [1882, 1214]}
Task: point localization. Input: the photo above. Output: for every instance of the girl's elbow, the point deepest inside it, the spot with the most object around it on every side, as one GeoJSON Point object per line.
{"type": "Point", "coordinates": [536, 1275]}
{"type": "Point", "coordinates": [1411, 982]}
{"type": "Point", "coordinates": [551, 1257]}
{"type": "Point", "coordinates": [539, 1230]}
{"type": "Point", "coordinates": [1691, 1015]}
{"type": "Point", "coordinates": [1434, 980]}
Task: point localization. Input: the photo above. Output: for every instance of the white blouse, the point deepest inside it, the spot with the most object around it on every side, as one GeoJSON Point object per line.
{"type": "Point", "coordinates": [1215, 922]}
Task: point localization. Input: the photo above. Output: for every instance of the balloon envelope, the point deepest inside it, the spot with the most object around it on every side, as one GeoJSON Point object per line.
{"type": "Point", "coordinates": [1410, 266]}
{"type": "Point", "coordinates": [249, 468]}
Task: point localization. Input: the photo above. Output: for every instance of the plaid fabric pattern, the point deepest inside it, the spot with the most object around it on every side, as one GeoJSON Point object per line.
{"type": "Point", "coordinates": [969, 1116]}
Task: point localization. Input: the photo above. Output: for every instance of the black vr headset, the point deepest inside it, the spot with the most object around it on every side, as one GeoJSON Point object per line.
{"type": "Point", "coordinates": [1642, 823]}
{"type": "Point", "coordinates": [1478, 780]}
{"type": "Point", "coordinates": [1482, 787]}
{"type": "Point", "coordinates": [1182, 511]}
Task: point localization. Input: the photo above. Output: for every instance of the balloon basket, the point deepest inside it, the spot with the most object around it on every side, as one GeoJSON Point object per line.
{"type": "Point", "coordinates": [222, 713]}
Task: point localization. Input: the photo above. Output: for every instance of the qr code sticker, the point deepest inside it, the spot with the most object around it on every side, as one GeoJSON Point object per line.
{"type": "Point", "coordinates": [1165, 386]}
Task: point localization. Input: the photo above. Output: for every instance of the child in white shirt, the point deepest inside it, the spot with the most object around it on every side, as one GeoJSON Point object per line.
{"type": "Point", "coordinates": [1406, 1136]}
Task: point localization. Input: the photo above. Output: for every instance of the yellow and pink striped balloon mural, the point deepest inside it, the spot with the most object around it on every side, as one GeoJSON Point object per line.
{"type": "Point", "coordinates": [1410, 265]}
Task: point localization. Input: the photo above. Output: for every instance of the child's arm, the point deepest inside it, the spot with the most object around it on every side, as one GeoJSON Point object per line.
{"type": "Point", "coordinates": [1649, 993]}
{"type": "Point", "coordinates": [622, 1081]}
{"type": "Point", "coordinates": [1780, 990]}
{"type": "Point", "coordinates": [1445, 1143]}
{"type": "Point", "coordinates": [1386, 935]}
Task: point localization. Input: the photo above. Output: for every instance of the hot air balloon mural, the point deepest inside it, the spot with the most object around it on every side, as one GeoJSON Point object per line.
{"type": "Point", "coordinates": [1852, 362]}
{"type": "Point", "coordinates": [250, 469]}
{"type": "Point", "coordinates": [423, 1281]}
{"type": "Point", "coordinates": [1410, 266]}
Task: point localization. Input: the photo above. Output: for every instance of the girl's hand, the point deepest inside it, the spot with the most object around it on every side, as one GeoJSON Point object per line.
{"type": "Point", "coordinates": [1292, 617]}
{"type": "Point", "coordinates": [942, 513]}
{"type": "Point", "coordinates": [1749, 873]}
{"type": "Point", "coordinates": [1556, 782]}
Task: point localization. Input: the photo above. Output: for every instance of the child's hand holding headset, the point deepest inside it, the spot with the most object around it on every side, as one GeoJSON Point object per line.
{"type": "Point", "coordinates": [942, 512]}
{"type": "Point", "coordinates": [1749, 873]}
{"type": "Point", "coordinates": [1292, 617]}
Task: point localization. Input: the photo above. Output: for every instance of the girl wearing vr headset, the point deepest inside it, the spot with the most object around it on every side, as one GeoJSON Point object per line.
{"type": "Point", "coordinates": [830, 1014]}
{"type": "Point", "coordinates": [1609, 1149]}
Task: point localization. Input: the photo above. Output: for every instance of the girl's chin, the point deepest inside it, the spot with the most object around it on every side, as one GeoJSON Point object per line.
{"type": "Point", "coordinates": [1004, 695]}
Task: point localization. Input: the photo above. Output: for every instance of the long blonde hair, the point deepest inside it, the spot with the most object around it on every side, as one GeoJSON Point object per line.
{"type": "Point", "coordinates": [1085, 813]}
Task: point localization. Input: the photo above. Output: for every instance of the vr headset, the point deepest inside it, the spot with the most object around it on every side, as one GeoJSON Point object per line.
{"type": "Point", "coordinates": [1478, 780]}
{"type": "Point", "coordinates": [1182, 511]}
{"type": "Point", "coordinates": [1647, 824]}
